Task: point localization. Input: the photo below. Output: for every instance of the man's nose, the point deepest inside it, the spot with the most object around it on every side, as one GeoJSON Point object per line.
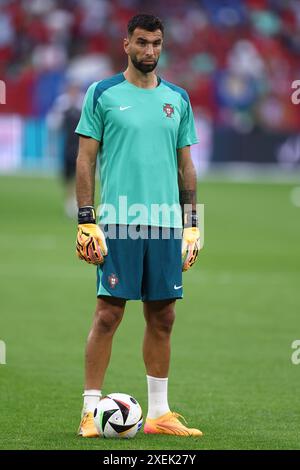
{"type": "Point", "coordinates": [149, 49]}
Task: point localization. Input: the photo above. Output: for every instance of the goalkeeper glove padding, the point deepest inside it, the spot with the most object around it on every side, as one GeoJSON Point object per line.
{"type": "Point", "coordinates": [91, 245]}
{"type": "Point", "coordinates": [190, 240]}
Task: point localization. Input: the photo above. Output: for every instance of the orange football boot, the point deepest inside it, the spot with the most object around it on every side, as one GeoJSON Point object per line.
{"type": "Point", "coordinates": [87, 426]}
{"type": "Point", "coordinates": [170, 424]}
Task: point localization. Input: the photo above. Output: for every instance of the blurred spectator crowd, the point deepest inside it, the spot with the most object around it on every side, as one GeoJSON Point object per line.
{"type": "Point", "coordinates": [236, 58]}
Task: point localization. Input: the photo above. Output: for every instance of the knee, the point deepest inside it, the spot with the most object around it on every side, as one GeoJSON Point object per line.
{"type": "Point", "coordinates": [163, 323]}
{"type": "Point", "coordinates": [107, 320]}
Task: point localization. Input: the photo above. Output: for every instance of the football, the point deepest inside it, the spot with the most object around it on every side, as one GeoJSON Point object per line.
{"type": "Point", "coordinates": [118, 415]}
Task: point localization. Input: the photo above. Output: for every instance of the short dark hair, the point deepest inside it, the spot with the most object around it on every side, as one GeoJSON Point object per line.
{"type": "Point", "coordinates": [147, 22]}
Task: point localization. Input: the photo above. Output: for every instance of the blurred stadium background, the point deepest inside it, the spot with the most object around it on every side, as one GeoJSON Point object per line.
{"type": "Point", "coordinates": [237, 59]}
{"type": "Point", "coordinates": [232, 372]}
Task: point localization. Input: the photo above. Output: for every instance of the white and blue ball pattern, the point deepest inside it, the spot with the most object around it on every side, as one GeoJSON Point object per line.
{"type": "Point", "coordinates": [118, 415]}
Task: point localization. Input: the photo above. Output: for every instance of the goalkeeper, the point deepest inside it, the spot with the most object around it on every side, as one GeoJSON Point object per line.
{"type": "Point", "coordinates": [141, 128]}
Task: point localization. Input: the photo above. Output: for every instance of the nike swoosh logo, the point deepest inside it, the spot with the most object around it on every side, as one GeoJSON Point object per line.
{"type": "Point", "coordinates": [122, 108]}
{"type": "Point", "coordinates": [177, 287]}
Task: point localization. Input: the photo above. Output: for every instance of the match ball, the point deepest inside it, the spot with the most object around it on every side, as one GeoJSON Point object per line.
{"type": "Point", "coordinates": [118, 415]}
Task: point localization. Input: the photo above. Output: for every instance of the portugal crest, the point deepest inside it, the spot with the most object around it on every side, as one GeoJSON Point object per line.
{"type": "Point", "coordinates": [113, 280]}
{"type": "Point", "coordinates": [168, 109]}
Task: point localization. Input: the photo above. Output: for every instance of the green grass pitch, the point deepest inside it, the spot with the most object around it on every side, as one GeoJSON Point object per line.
{"type": "Point", "coordinates": [231, 371]}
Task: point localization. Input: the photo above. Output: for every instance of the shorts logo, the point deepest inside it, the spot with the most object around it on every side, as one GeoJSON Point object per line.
{"type": "Point", "coordinates": [113, 280]}
{"type": "Point", "coordinates": [168, 109]}
{"type": "Point", "coordinates": [177, 287]}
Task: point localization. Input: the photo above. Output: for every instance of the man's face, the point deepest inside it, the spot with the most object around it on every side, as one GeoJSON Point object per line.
{"type": "Point", "coordinates": [144, 48]}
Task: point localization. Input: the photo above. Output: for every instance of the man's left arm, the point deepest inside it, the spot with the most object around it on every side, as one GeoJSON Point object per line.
{"type": "Point", "coordinates": [187, 182]}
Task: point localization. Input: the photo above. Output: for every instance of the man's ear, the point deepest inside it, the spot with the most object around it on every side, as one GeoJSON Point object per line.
{"type": "Point", "coordinates": [126, 44]}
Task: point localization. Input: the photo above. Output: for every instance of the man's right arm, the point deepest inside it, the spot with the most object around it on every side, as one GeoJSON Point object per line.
{"type": "Point", "coordinates": [85, 170]}
{"type": "Point", "coordinates": [91, 245]}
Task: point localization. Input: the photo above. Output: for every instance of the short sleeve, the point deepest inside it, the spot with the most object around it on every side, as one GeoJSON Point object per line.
{"type": "Point", "coordinates": [91, 123]}
{"type": "Point", "coordinates": [187, 131]}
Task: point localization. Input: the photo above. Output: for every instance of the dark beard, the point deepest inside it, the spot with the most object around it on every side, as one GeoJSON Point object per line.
{"type": "Point", "coordinates": [144, 68]}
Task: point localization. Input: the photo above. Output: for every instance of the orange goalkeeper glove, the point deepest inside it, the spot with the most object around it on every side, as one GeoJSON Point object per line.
{"type": "Point", "coordinates": [190, 241]}
{"type": "Point", "coordinates": [91, 245]}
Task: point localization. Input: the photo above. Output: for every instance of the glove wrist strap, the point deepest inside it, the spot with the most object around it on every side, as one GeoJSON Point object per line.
{"type": "Point", "coordinates": [86, 215]}
{"type": "Point", "coordinates": [190, 219]}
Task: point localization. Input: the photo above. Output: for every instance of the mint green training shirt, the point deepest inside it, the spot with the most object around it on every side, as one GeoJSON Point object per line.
{"type": "Point", "coordinates": [140, 131]}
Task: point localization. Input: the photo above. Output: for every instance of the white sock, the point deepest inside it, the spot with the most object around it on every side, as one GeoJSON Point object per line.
{"type": "Point", "coordinates": [157, 397]}
{"type": "Point", "coordinates": [90, 400]}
